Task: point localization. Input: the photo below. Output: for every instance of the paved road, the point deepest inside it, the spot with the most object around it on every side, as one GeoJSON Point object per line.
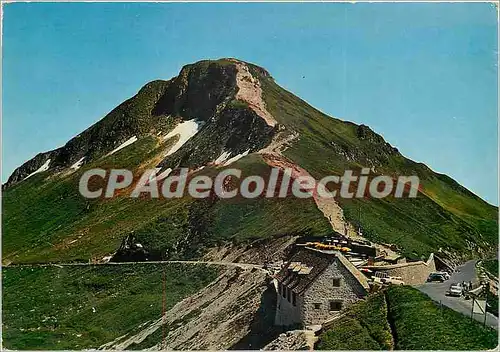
{"type": "Point", "coordinates": [437, 291]}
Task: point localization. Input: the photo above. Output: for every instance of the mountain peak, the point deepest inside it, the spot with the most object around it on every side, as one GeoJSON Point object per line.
{"type": "Point", "coordinates": [216, 112]}
{"type": "Point", "coordinates": [227, 61]}
{"type": "Point", "coordinates": [225, 91]}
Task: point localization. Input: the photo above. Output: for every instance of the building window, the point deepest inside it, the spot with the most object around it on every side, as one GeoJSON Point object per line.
{"type": "Point", "coordinates": [317, 305]}
{"type": "Point", "coordinates": [336, 282]}
{"type": "Point", "coordinates": [294, 298]}
{"type": "Point", "coordinates": [335, 306]}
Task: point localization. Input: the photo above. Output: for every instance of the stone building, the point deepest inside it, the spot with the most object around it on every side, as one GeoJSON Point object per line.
{"type": "Point", "coordinates": [314, 286]}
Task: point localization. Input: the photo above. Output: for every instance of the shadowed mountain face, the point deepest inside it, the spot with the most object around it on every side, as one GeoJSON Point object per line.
{"type": "Point", "coordinates": [216, 113]}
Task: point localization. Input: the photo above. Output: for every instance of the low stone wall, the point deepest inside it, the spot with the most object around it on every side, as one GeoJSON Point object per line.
{"type": "Point", "coordinates": [415, 274]}
{"type": "Point", "coordinates": [412, 273]}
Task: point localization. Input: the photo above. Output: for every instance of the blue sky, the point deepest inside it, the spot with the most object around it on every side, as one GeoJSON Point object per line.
{"type": "Point", "coordinates": [423, 75]}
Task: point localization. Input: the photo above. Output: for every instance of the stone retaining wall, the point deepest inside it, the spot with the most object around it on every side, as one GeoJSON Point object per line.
{"type": "Point", "coordinates": [412, 273]}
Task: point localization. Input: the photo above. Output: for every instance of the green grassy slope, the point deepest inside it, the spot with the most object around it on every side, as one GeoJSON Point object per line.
{"type": "Point", "coordinates": [444, 215]}
{"type": "Point", "coordinates": [41, 217]}
{"type": "Point", "coordinates": [364, 327]}
{"type": "Point", "coordinates": [414, 320]}
{"type": "Point", "coordinates": [86, 306]}
{"type": "Point", "coordinates": [420, 324]}
{"type": "Point", "coordinates": [195, 225]}
{"type": "Point", "coordinates": [491, 265]}
{"type": "Point", "coordinates": [49, 221]}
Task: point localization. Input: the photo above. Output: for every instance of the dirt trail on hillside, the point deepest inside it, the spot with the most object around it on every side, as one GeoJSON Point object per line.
{"type": "Point", "coordinates": [273, 156]}
{"type": "Point", "coordinates": [280, 143]}
{"type": "Point", "coordinates": [328, 206]}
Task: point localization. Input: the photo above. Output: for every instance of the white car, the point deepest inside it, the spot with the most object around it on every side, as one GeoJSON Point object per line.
{"type": "Point", "coordinates": [456, 290]}
{"type": "Point", "coordinates": [384, 278]}
{"type": "Point", "coordinates": [444, 273]}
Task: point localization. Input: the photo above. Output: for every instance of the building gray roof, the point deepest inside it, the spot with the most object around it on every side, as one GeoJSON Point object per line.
{"type": "Point", "coordinates": [314, 262]}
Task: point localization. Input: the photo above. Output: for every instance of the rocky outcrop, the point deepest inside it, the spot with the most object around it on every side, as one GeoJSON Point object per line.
{"type": "Point", "coordinates": [291, 341]}
{"type": "Point", "coordinates": [198, 90]}
{"type": "Point", "coordinates": [131, 250]}
{"type": "Point", "coordinates": [228, 99]}
{"type": "Point", "coordinates": [31, 166]}
{"type": "Point", "coordinates": [233, 130]}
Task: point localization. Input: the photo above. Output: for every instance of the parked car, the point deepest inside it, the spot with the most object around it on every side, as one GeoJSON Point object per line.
{"type": "Point", "coordinates": [437, 277]}
{"type": "Point", "coordinates": [383, 278]}
{"type": "Point", "coordinates": [444, 273]}
{"type": "Point", "coordinates": [456, 290]}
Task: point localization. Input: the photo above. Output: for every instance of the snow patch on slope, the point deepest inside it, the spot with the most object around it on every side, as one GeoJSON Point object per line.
{"type": "Point", "coordinates": [185, 130]}
{"type": "Point", "coordinates": [158, 177]}
{"type": "Point", "coordinates": [42, 168]}
{"type": "Point", "coordinates": [237, 157]}
{"type": "Point", "coordinates": [123, 145]}
{"type": "Point", "coordinates": [78, 164]}
{"type": "Point", "coordinates": [223, 157]}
